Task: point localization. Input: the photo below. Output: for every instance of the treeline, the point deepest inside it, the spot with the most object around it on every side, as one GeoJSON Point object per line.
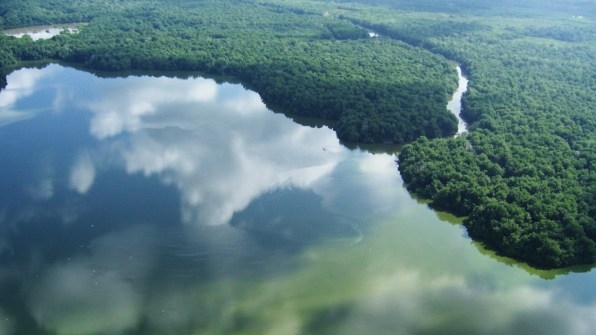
{"type": "Point", "coordinates": [301, 63]}
{"type": "Point", "coordinates": [525, 173]}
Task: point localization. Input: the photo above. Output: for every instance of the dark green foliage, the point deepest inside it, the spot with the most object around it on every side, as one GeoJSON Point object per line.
{"type": "Point", "coordinates": [300, 62]}
{"type": "Point", "coordinates": [24, 13]}
{"type": "Point", "coordinates": [7, 58]}
{"type": "Point", "coordinates": [525, 173]}
{"type": "Point", "coordinates": [528, 203]}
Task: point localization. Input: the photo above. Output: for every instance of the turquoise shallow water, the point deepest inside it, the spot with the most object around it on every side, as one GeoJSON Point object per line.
{"type": "Point", "coordinates": [154, 205]}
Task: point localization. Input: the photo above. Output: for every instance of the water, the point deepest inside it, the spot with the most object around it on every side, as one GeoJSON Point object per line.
{"type": "Point", "coordinates": [454, 105]}
{"type": "Point", "coordinates": [153, 205]}
{"type": "Point", "coordinates": [41, 32]}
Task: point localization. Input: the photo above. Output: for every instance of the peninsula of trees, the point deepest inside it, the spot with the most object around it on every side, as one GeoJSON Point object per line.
{"type": "Point", "coordinates": [524, 175]}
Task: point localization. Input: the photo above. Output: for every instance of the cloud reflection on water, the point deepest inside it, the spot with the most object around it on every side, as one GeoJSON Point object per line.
{"type": "Point", "coordinates": [99, 293]}
{"type": "Point", "coordinates": [6, 326]}
{"type": "Point", "coordinates": [218, 145]}
{"type": "Point", "coordinates": [82, 174]}
{"type": "Point", "coordinates": [73, 299]}
{"type": "Point", "coordinates": [417, 303]}
{"type": "Point", "coordinates": [403, 301]}
{"type": "Point", "coordinates": [21, 84]}
{"type": "Point", "coordinates": [406, 277]}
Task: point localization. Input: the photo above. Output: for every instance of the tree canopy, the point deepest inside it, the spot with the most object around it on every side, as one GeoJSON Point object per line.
{"type": "Point", "coordinates": [524, 174]}
{"type": "Point", "coordinates": [374, 90]}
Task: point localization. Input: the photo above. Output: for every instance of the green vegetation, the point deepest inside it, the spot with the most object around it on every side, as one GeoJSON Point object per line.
{"type": "Point", "coordinates": [524, 175]}
{"type": "Point", "coordinates": [301, 63]}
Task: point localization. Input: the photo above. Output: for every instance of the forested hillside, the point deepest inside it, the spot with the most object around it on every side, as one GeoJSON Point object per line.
{"type": "Point", "coordinates": [525, 173]}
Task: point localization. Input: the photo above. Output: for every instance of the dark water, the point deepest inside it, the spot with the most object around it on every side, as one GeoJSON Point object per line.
{"type": "Point", "coordinates": [153, 205]}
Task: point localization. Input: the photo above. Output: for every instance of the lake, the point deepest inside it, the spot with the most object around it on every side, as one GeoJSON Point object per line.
{"type": "Point", "coordinates": [157, 205]}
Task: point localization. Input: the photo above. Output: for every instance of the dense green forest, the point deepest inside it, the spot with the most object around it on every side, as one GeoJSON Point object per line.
{"type": "Point", "coordinates": [308, 64]}
{"type": "Point", "coordinates": [524, 175]}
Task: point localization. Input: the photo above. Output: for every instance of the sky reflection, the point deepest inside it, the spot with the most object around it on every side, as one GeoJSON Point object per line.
{"type": "Point", "coordinates": [79, 295]}
{"type": "Point", "coordinates": [41, 32]}
{"type": "Point", "coordinates": [82, 174]}
{"type": "Point", "coordinates": [419, 304]}
{"type": "Point", "coordinates": [22, 84]}
{"type": "Point", "coordinates": [218, 145]}
{"type": "Point", "coordinates": [89, 229]}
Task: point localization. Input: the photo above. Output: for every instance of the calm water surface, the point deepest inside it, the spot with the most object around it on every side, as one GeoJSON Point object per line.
{"type": "Point", "coordinates": [153, 205]}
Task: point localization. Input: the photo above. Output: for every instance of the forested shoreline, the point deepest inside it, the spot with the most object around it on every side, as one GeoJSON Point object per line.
{"type": "Point", "coordinates": [525, 173]}
{"type": "Point", "coordinates": [369, 90]}
{"type": "Point", "coordinates": [524, 176]}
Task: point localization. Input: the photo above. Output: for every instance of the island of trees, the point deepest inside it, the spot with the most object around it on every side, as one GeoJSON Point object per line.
{"type": "Point", "coordinates": [523, 176]}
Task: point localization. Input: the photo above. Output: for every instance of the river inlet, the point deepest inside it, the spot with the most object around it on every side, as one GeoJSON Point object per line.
{"type": "Point", "coordinates": [454, 105]}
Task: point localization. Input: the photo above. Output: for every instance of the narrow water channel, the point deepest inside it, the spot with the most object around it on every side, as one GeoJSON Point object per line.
{"type": "Point", "coordinates": [42, 32]}
{"type": "Point", "coordinates": [454, 105]}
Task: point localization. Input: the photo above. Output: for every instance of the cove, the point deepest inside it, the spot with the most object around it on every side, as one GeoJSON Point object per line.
{"type": "Point", "coordinates": [152, 205]}
{"type": "Point", "coordinates": [43, 32]}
